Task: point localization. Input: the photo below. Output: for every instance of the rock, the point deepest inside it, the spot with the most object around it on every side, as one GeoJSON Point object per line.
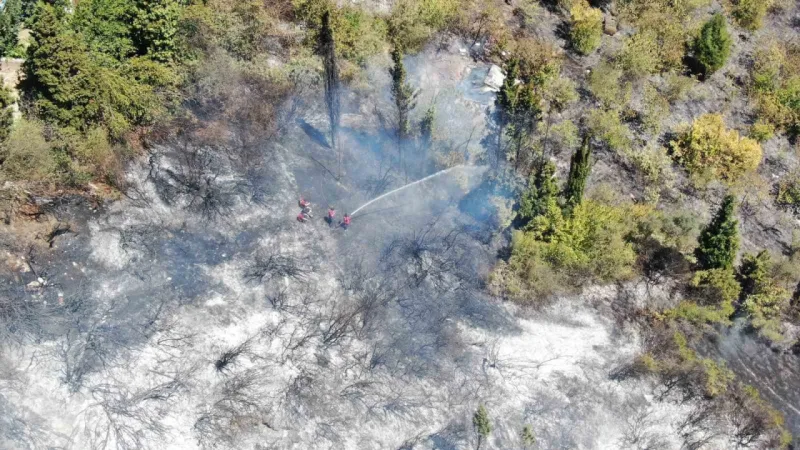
{"type": "Point", "coordinates": [609, 25]}
{"type": "Point", "coordinates": [494, 79]}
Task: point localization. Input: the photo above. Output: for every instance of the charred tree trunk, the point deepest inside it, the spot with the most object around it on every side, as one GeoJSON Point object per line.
{"type": "Point", "coordinates": [327, 50]}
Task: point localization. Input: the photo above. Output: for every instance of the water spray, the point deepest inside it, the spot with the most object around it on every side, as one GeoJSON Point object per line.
{"type": "Point", "coordinates": [441, 172]}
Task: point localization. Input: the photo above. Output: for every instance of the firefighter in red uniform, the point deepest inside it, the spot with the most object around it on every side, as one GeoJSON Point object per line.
{"type": "Point", "coordinates": [305, 207]}
{"type": "Point", "coordinates": [346, 221]}
{"type": "Point", "coordinates": [331, 215]}
{"type": "Point", "coordinates": [302, 217]}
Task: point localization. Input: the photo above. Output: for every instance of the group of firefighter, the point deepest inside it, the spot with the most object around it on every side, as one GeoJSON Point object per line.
{"type": "Point", "coordinates": [330, 218]}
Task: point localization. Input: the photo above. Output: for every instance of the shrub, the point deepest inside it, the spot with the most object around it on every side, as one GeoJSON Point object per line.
{"type": "Point", "coordinates": [750, 13]}
{"type": "Point", "coordinates": [607, 126]}
{"type": "Point", "coordinates": [591, 245]}
{"type": "Point", "coordinates": [413, 22]}
{"type": "Point", "coordinates": [713, 46]}
{"type": "Point", "coordinates": [607, 86]}
{"type": "Point", "coordinates": [357, 33]}
{"type": "Point", "coordinates": [762, 131]}
{"type": "Point", "coordinates": [27, 155]}
{"type": "Point", "coordinates": [708, 149]}
{"type": "Point", "coordinates": [586, 27]}
{"type": "Point", "coordinates": [713, 293]}
{"type": "Point", "coordinates": [639, 56]}
{"type": "Point", "coordinates": [788, 192]}
{"type": "Point", "coordinates": [655, 167]}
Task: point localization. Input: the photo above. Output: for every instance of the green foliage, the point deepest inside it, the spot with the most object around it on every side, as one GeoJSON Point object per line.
{"type": "Point", "coordinates": [403, 94]}
{"type": "Point", "coordinates": [413, 22]}
{"type": "Point", "coordinates": [713, 293]}
{"type": "Point", "coordinates": [713, 46]}
{"type": "Point", "coordinates": [788, 192]}
{"type": "Point", "coordinates": [578, 173]}
{"type": "Point", "coordinates": [640, 56]}
{"type": "Point", "coordinates": [105, 25]}
{"type": "Point", "coordinates": [6, 113]}
{"type": "Point", "coordinates": [661, 29]}
{"type": "Point", "coordinates": [607, 85]}
{"type": "Point", "coordinates": [708, 150]}
{"type": "Point", "coordinates": [586, 27]}
{"type": "Point", "coordinates": [762, 131]}
{"type": "Point", "coordinates": [607, 126]}
{"type": "Point", "coordinates": [590, 245]}
{"type": "Point", "coordinates": [750, 13]}
{"type": "Point", "coordinates": [482, 424]}
{"type": "Point", "coordinates": [154, 28]}
{"type": "Point", "coordinates": [719, 240]}
{"type": "Point", "coordinates": [539, 211]}
{"type": "Point", "coordinates": [358, 34]}
{"type": "Point", "coordinates": [427, 129]}
{"type": "Point", "coordinates": [26, 155]}
{"type": "Point", "coordinates": [10, 22]}
{"type": "Point", "coordinates": [754, 272]}
{"type": "Point", "coordinates": [765, 309]}
{"type": "Point", "coordinates": [654, 166]}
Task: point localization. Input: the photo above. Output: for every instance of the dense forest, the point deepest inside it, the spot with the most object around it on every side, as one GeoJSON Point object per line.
{"type": "Point", "coordinates": [648, 142]}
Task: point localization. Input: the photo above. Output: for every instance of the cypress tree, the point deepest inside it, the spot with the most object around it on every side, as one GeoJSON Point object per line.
{"type": "Point", "coordinates": [404, 99]}
{"type": "Point", "coordinates": [327, 50]}
{"type": "Point", "coordinates": [426, 126]}
{"type": "Point", "coordinates": [542, 191]}
{"type": "Point", "coordinates": [6, 114]}
{"type": "Point", "coordinates": [754, 273]}
{"type": "Point", "coordinates": [719, 240]}
{"type": "Point", "coordinates": [578, 172]}
{"type": "Point", "coordinates": [713, 46]}
{"type": "Point", "coordinates": [482, 425]}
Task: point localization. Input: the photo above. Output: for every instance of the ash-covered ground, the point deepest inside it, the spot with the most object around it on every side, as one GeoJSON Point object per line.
{"type": "Point", "coordinates": [198, 313]}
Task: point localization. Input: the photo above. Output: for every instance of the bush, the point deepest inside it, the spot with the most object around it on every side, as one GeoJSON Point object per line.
{"type": "Point", "coordinates": [765, 310]}
{"type": "Point", "coordinates": [413, 22]}
{"type": "Point", "coordinates": [586, 27]}
{"type": "Point", "coordinates": [26, 153]}
{"type": "Point", "coordinates": [762, 131]}
{"type": "Point", "coordinates": [590, 245]}
{"type": "Point", "coordinates": [713, 46]}
{"type": "Point", "coordinates": [708, 149]}
{"type": "Point", "coordinates": [607, 86]}
{"type": "Point", "coordinates": [788, 192]}
{"type": "Point", "coordinates": [607, 126]}
{"type": "Point", "coordinates": [750, 13]}
{"type": "Point", "coordinates": [357, 33]}
{"type": "Point", "coordinates": [639, 56]}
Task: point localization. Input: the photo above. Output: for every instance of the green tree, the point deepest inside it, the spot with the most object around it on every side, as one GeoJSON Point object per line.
{"type": "Point", "coordinates": [753, 272]}
{"type": "Point", "coordinates": [155, 28]}
{"type": "Point", "coordinates": [64, 84]}
{"type": "Point", "coordinates": [482, 425]}
{"type": "Point", "coordinates": [6, 113]}
{"type": "Point", "coordinates": [539, 211]}
{"type": "Point", "coordinates": [719, 240]}
{"type": "Point", "coordinates": [713, 46]}
{"type": "Point", "coordinates": [105, 24]}
{"type": "Point", "coordinates": [404, 99]}
{"type": "Point", "coordinates": [10, 22]}
{"type": "Point", "coordinates": [426, 129]}
{"type": "Point", "coordinates": [578, 172]}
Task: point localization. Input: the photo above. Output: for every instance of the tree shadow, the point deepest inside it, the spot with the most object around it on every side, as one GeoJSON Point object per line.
{"type": "Point", "coordinates": [315, 135]}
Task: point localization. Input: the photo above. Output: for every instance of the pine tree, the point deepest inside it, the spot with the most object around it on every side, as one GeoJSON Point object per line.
{"type": "Point", "coordinates": [713, 46]}
{"type": "Point", "coordinates": [578, 172]}
{"type": "Point", "coordinates": [155, 28]}
{"type": "Point", "coordinates": [482, 425]}
{"type": "Point", "coordinates": [542, 192]}
{"type": "Point", "coordinates": [754, 273]}
{"type": "Point", "coordinates": [404, 99]}
{"type": "Point", "coordinates": [10, 21]}
{"type": "Point", "coordinates": [719, 240]}
{"type": "Point", "coordinates": [426, 127]}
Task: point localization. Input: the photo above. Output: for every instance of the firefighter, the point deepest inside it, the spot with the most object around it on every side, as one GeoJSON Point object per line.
{"type": "Point", "coordinates": [346, 221]}
{"type": "Point", "coordinates": [302, 218]}
{"type": "Point", "coordinates": [331, 216]}
{"type": "Point", "coordinates": [305, 207]}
